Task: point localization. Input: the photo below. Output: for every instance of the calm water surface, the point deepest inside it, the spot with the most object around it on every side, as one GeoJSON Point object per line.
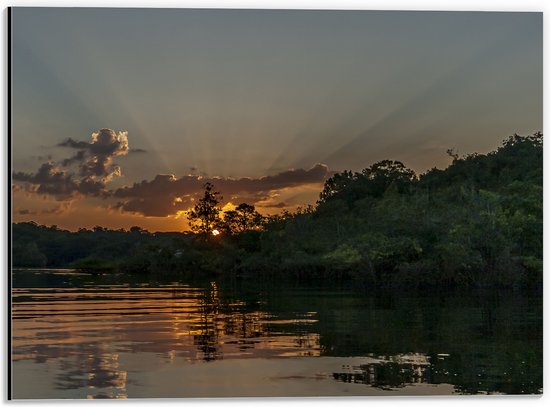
{"type": "Point", "coordinates": [82, 336]}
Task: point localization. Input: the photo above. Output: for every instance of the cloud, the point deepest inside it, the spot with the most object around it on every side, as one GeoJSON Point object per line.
{"type": "Point", "coordinates": [56, 210]}
{"type": "Point", "coordinates": [95, 157]}
{"type": "Point", "coordinates": [166, 194]}
{"type": "Point", "coordinates": [152, 206]}
{"type": "Point", "coordinates": [94, 167]}
{"type": "Point", "coordinates": [74, 144]}
{"type": "Point", "coordinates": [88, 171]}
{"type": "Point", "coordinates": [49, 179]}
{"type": "Point", "coordinates": [281, 204]}
{"type": "Point", "coordinates": [78, 157]}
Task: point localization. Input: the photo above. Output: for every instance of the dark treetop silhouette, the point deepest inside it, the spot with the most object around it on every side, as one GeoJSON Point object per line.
{"type": "Point", "coordinates": [476, 223]}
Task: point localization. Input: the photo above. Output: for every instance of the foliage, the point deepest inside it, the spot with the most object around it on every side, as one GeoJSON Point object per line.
{"type": "Point", "coordinates": [92, 264]}
{"type": "Point", "coordinates": [243, 218]}
{"type": "Point", "coordinates": [476, 223]}
{"type": "Point", "coordinates": [205, 215]}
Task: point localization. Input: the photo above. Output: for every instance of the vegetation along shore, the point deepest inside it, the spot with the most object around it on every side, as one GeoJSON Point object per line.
{"type": "Point", "coordinates": [476, 223]}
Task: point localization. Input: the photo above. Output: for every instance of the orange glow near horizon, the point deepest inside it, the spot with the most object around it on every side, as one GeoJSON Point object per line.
{"type": "Point", "coordinates": [88, 213]}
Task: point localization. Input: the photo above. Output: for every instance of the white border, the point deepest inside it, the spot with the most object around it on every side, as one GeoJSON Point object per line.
{"type": "Point", "coordinates": [464, 5]}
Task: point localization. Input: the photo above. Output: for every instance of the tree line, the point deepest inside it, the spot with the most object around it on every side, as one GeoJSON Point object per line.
{"type": "Point", "coordinates": [205, 217]}
{"type": "Point", "coordinates": [477, 222]}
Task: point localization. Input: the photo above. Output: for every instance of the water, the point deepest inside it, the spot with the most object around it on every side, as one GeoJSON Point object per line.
{"type": "Point", "coordinates": [81, 336]}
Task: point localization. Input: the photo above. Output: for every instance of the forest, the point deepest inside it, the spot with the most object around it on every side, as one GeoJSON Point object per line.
{"type": "Point", "coordinates": [477, 223]}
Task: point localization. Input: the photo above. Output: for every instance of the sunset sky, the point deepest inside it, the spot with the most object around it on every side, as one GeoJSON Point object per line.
{"type": "Point", "coordinates": [121, 115]}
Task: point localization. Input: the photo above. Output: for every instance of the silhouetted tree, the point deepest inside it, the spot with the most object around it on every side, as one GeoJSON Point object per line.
{"type": "Point", "coordinates": [137, 230]}
{"type": "Point", "coordinates": [385, 173]}
{"type": "Point", "coordinates": [371, 182]}
{"type": "Point", "coordinates": [478, 222]}
{"type": "Point", "coordinates": [244, 217]}
{"type": "Point", "coordinates": [337, 185]}
{"type": "Point", "coordinates": [205, 215]}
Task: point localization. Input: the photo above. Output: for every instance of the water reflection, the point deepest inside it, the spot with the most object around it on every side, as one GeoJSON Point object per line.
{"type": "Point", "coordinates": [85, 330]}
{"type": "Point", "coordinates": [93, 367]}
{"type": "Point", "coordinates": [388, 373]}
{"type": "Point", "coordinates": [393, 372]}
{"type": "Point", "coordinates": [101, 337]}
{"type": "Point", "coordinates": [47, 322]}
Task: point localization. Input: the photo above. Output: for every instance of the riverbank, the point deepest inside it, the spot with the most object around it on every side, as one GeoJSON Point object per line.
{"type": "Point", "coordinates": [478, 223]}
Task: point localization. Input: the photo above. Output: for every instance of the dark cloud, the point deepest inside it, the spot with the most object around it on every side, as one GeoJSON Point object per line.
{"type": "Point", "coordinates": [94, 167]}
{"type": "Point", "coordinates": [137, 150]}
{"type": "Point", "coordinates": [166, 194]}
{"type": "Point", "coordinates": [168, 184]}
{"type": "Point", "coordinates": [105, 142]}
{"type": "Point", "coordinates": [89, 186]}
{"type": "Point", "coordinates": [276, 205]}
{"type": "Point", "coordinates": [49, 179]}
{"type": "Point", "coordinates": [87, 172]}
{"type": "Point", "coordinates": [78, 157]}
{"type": "Point", "coordinates": [154, 206]}
{"type": "Point", "coordinates": [95, 157]}
{"type": "Point", "coordinates": [58, 209]}
{"type": "Point", "coordinates": [74, 144]}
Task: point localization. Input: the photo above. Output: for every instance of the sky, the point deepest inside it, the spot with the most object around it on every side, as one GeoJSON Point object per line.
{"type": "Point", "coordinates": [119, 116]}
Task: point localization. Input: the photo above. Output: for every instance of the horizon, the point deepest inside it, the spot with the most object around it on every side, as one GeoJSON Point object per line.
{"type": "Point", "coordinates": [229, 206]}
{"type": "Point", "coordinates": [120, 118]}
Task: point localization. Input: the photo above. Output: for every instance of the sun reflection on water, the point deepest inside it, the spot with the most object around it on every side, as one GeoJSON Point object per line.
{"type": "Point", "coordinates": [100, 340]}
{"type": "Point", "coordinates": [86, 329]}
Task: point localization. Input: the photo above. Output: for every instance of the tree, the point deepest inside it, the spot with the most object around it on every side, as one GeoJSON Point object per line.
{"type": "Point", "coordinates": [243, 218]}
{"type": "Point", "coordinates": [205, 214]}
{"type": "Point", "coordinates": [28, 255]}
{"type": "Point", "coordinates": [385, 173]}
{"type": "Point", "coordinates": [371, 182]}
{"type": "Point", "coordinates": [137, 230]}
{"type": "Point", "coordinates": [337, 185]}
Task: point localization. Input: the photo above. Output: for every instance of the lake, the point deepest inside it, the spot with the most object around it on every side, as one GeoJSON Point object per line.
{"type": "Point", "coordinates": [76, 335]}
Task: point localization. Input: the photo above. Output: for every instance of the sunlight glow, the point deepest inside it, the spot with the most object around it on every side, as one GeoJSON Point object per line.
{"type": "Point", "coordinates": [215, 232]}
{"type": "Point", "coordinates": [180, 214]}
{"type": "Point", "coordinates": [229, 206]}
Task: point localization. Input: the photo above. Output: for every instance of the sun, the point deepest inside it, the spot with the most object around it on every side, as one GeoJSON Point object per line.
{"type": "Point", "coordinates": [215, 232]}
